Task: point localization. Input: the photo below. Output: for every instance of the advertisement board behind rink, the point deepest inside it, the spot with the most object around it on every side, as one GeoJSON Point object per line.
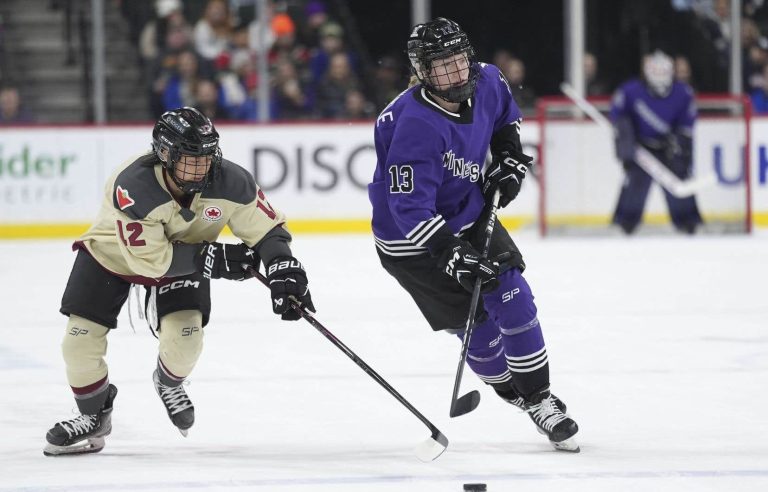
{"type": "Point", "coordinates": [313, 172]}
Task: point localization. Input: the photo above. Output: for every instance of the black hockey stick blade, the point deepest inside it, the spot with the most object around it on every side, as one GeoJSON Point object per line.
{"type": "Point", "coordinates": [432, 448]}
{"type": "Point", "coordinates": [465, 404]}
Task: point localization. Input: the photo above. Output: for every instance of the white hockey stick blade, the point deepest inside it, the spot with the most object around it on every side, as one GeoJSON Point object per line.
{"type": "Point", "coordinates": [667, 180]}
{"type": "Point", "coordinates": [92, 445]}
{"type": "Point", "coordinates": [432, 448]}
{"type": "Point", "coordinates": [655, 169]}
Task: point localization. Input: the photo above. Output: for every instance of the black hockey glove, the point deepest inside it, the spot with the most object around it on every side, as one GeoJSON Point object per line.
{"type": "Point", "coordinates": [506, 172]}
{"type": "Point", "coordinates": [288, 282]}
{"type": "Point", "coordinates": [462, 262]}
{"type": "Point", "coordinates": [217, 260]}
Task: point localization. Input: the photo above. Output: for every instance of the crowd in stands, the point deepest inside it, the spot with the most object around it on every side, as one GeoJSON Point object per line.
{"type": "Point", "coordinates": [211, 62]}
{"type": "Point", "coordinates": [204, 53]}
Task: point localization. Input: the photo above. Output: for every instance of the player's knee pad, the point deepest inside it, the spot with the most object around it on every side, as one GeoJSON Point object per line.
{"type": "Point", "coordinates": [83, 348]}
{"type": "Point", "coordinates": [511, 306]}
{"type": "Point", "coordinates": [181, 341]}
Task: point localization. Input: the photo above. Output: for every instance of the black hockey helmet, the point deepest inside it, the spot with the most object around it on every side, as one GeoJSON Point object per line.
{"type": "Point", "coordinates": [437, 39]}
{"type": "Point", "coordinates": [187, 132]}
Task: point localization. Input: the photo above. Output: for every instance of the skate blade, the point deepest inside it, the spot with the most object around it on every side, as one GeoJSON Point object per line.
{"type": "Point", "coordinates": [569, 445]}
{"type": "Point", "coordinates": [92, 445]}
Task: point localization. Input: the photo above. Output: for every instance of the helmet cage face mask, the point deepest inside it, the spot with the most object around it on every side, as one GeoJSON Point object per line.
{"type": "Point", "coordinates": [659, 73]}
{"type": "Point", "coordinates": [179, 138]}
{"type": "Point", "coordinates": [437, 51]}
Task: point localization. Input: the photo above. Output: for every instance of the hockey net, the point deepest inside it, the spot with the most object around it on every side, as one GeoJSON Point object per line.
{"type": "Point", "coordinates": [581, 178]}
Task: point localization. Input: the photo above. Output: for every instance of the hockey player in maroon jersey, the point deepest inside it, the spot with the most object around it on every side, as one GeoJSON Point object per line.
{"type": "Point", "coordinates": [158, 225]}
{"type": "Point", "coordinates": [429, 214]}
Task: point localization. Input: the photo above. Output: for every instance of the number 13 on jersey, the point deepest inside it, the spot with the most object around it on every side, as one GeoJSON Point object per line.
{"type": "Point", "coordinates": [401, 179]}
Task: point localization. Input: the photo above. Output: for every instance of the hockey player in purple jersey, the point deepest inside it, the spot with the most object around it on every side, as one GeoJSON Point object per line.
{"type": "Point", "coordinates": [429, 198]}
{"type": "Point", "coordinates": [657, 113]}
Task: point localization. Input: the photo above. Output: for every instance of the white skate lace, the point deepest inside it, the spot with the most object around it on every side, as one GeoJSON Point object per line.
{"type": "Point", "coordinates": [546, 414]}
{"type": "Point", "coordinates": [175, 398]}
{"type": "Point", "coordinates": [79, 425]}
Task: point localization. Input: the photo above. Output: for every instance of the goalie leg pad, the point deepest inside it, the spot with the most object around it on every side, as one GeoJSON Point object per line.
{"type": "Point", "coordinates": [181, 342]}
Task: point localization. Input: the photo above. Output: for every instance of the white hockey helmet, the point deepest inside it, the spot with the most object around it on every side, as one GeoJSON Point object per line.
{"type": "Point", "coordinates": [659, 73]}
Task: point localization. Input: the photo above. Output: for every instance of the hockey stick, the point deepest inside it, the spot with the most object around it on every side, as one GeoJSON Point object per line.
{"type": "Point", "coordinates": [468, 402]}
{"type": "Point", "coordinates": [433, 446]}
{"type": "Point", "coordinates": [655, 169]}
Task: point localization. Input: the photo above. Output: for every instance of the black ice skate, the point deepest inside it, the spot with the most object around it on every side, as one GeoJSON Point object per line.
{"type": "Point", "coordinates": [66, 438]}
{"type": "Point", "coordinates": [551, 421]}
{"type": "Point", "coordinates": [177, 404]}
{"type": "Point", "coordinates": [513, 397]}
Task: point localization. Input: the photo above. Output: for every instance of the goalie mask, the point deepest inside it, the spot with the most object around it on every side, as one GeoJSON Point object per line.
{"type": "Point", "coordinates": [188, 144]}
{"type": "Point", "coordinates": [443, 60]}
{"type": "Point", "coordinates": [659, 73]}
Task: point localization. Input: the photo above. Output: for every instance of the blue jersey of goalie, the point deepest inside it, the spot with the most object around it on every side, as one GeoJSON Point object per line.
{"type": "Point", "coordinates": [428, 174]}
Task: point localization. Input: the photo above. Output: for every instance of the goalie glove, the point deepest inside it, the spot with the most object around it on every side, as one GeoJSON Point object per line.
{"type": "Point", "coordinates": [462, 262]}
{"type": "Point", "coordinates": [506, 172]}
{"type": "Point", "coordinates": [217, 260]}
{"type": "Point", "coordinates": [288, 283]}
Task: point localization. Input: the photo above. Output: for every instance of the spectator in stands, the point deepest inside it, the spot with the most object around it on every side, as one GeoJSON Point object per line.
{"type": "Point", "coordinates": [213, 30]}
{"type": "Point", "coordinates": [11, 110]}
{"type": "Point", "coordinates": [332, 90]}
{"type": "Point", "coordinates": [389, 79]}
{"type": "Point", "coordinates": [754, 55]}
{"type": "Point", "coordinates": [315, 14]}
{"type": "Point", "coordinates": [683, 71]}
{"type": "Point", "coordinates": [759, 95]}
{"type": "Point", "coordinates": [331, 42]}
{"type": "Point", "coordinates": [514, 71]}
{"type": "Point", "coordinates": [259, 28]}
{"type": "Point", "coordinates": [289, 93]}
{"type": "Point", "coordinates": [153, 35]}
{"type": "Point", "coordinates": [180, 89]}
{"type": "Point", "coordinates": [285, 45]}
{"type": "Point", "coordinates": [593, 83]}
{"type": "Point", "coordinates": [207, 99]}
{"type": "Point", "coordinates": [178, 38]}
{"type": "Point", "coordinates": [501, 57]}
{"type": "Point", "coordinates": [357, 107]}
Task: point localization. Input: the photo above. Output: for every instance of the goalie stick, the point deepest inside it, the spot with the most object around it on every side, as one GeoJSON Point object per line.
{"type": "Point", "coordinates": [427, 451]}
{"type": "Point", "coordinates": [470, 401]}
{"type": "Point", "coordinates": [655, 169]}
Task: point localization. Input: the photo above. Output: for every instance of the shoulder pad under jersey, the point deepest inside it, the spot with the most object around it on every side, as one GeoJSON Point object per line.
{"type": "Point", "coordinates": [136, 191]}
{"type": "Point", "coordinates": [234, 183]}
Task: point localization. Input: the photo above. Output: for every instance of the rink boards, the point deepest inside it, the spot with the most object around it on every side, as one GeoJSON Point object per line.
{"type": "Point", "coordinates": [51, 178]}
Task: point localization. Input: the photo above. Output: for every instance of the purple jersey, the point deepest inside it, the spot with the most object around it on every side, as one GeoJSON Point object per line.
{"type": "Point", "coordinates": [654, 118]}
{"type": "Point", "coordinates": [429, 163]}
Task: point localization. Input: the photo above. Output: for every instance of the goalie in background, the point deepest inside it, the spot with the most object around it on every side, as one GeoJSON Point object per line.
{"type": "Point", "coordinates": [161, 215]}
{"type": "Point", "coordinates": [658, 113]}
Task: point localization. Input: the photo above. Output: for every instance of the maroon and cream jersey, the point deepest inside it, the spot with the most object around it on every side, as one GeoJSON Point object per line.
{"type": "Point", "coordinates": [143, 234]}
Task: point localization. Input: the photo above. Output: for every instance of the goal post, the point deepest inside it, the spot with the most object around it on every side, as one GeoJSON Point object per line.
{"type": "Point", "coordinates": [580, 177]}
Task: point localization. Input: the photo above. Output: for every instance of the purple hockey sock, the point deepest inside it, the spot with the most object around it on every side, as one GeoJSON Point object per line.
{"type": "Point", "coordinates": [485, 355]}
{"type": "Point", "coordinates": [512, 308]}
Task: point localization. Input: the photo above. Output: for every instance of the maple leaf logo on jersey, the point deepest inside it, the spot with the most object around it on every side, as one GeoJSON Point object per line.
{"type": "Point", "coordinates": [124, 200]}
{"type": "Point", "coordinates": [212, 214]}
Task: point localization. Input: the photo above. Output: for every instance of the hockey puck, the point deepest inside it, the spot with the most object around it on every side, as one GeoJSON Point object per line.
{"type": "Point", "coordinates": [474, 487]}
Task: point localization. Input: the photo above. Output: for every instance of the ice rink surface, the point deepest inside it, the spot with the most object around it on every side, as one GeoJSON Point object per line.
{"type": "Point", "coordinates": [659, 347]}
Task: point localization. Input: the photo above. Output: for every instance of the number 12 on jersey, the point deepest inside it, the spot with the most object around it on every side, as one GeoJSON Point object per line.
{"type": "Point", "coordinates": [401, 179]}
